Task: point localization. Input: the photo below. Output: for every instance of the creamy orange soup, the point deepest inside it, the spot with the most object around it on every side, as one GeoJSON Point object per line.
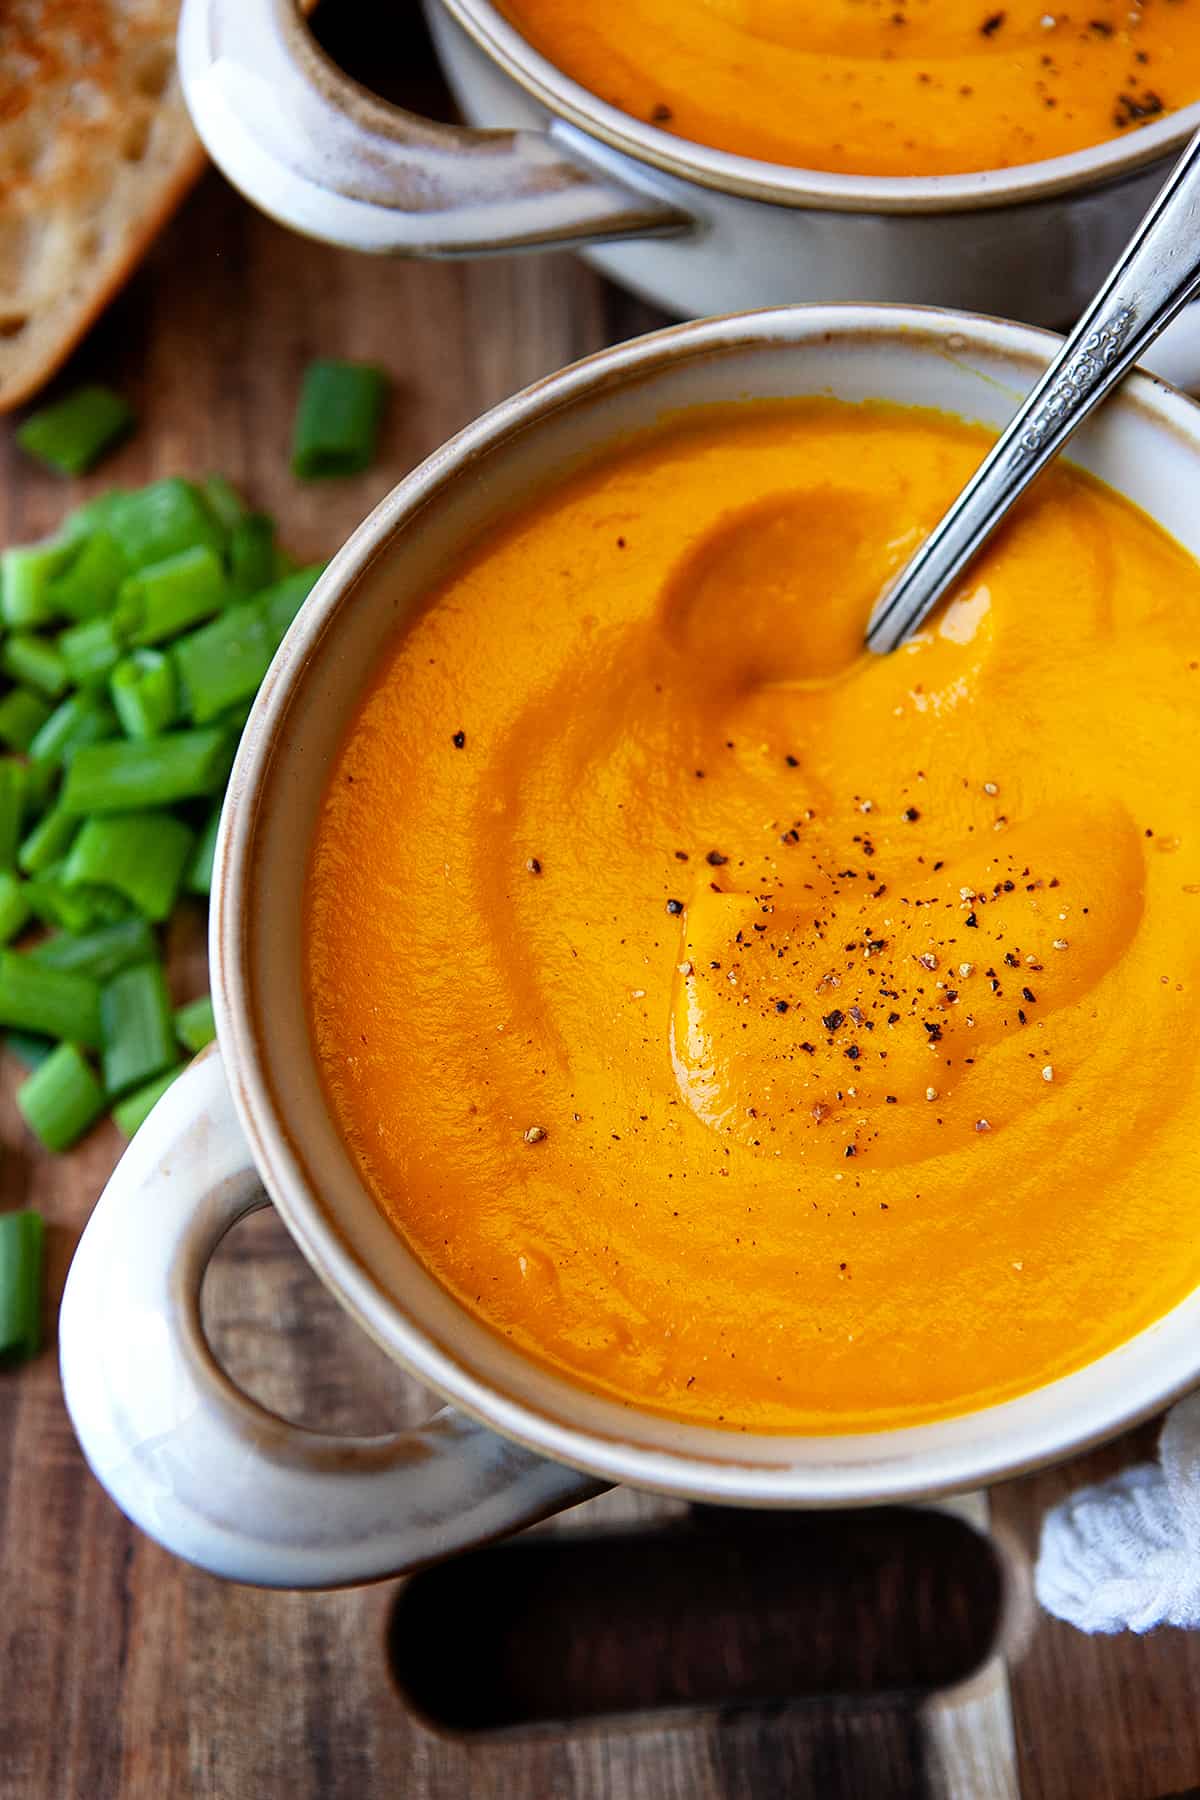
{"type": "Point", "coordinates": [878, 87]}
{"type": "Point", "coordinates": [753, 1029]}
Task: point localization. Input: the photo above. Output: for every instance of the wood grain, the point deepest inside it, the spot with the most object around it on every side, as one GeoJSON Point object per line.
{"type": "Point", "coordinates": [125, 1674]}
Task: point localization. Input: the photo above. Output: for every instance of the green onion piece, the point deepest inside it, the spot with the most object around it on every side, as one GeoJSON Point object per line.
{"type": "Point", "coordinates": [56, 1002]}
{"type": "Point", "coordinates": [164, 599]}
{"type": "Point", "coordinates": [195, 1025]}
{"type": "Point", "coordinates": [158, 521]}
{"type": "Point", "coordinates": [99, 954]}
{"type": "Point", "coordinates": [28, 1048]}
{"type": "Point", "coordinates": [127, 775]}
{"type": "Point", "coordinates": [282, 602]}
{"type": "Point", "coordinates": [200, 871]}
{"type": "Point", "coordinates": [337, 419]}
{"type": "Point", "coordinates": [74, 909]}
{"type": "Point", "coordinates": [252, 554]}
{"type": "Point", "coordinates": [14, 784]}
{"type": "Point", "coordinates": [145, 692]}
{"type": "Point", "coordinates": [83, 719]}
{"type": "Point", "coordinates": [14, 907]}
{"type": "Point", "coordinates": [136, 1108]}
{"type": "Point", "coordinates": [49, 840]}
{"type": "Point", "coordinates": [140, 854]}
{"type": "Point", "coordinates": [224, 662]}
{"type": "Point", "coordinates": [87, 587]}
{"type": "Point", "coordinates": [108, 907]}
{"type": "Point", "coordinates": [223, 501]}
{"type": "Point", "coordinates": [34, 661]}
{"type": "Point", "coordinates": [76, 432]}
{"type": "Point", "coordinates": [22, 716]}
{"type": "Point", "coordinates": [91, 652]}
{"type": "Point", "coordinates": [95, 514]}
{"type": "Point", "coordinates": [26, 572]}
{"type": "Point", "coordinates": [21, 1249]}
{"type": "Point", "coordinates": [138, 1029]}
{"type": "Point", "coordinates": [61, 1099]}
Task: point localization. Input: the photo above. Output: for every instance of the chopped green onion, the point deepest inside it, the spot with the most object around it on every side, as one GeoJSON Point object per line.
{"type": "Point", "coordinates": [145, 692]}
{"type": "Point", "coordinates": [21, 1250]}
{"type": "Point", "coordinates": [337, 419]}
{"type": "Point", "coordinates": [28, 1048]}
{"type": "Point", "coordinates": [195, 1025]}
{"type": "Point", "coordinates": [252, 554]}
{"type": "Point", "coordinates": [138, 1029]}
{"type": "Point", "coordinates": [164, 599]}
{"type": "Point", "coordinates": [223, 501]}
{"type": "Point", "coordinates": [158, 521]}
{"type": "Point", "coordinates": [22, 716]}
{"type": "Point", "coordinates": [14, 907]}
{"type": "Point", "coordinates": [74, 909]}
{"type": "Point", "coordinates": [14, 784]}
{"type": "Point", "coordinates": [99, 954]}
{"type": "Point", "coordinates": [224, 662]}
{"type": "Point", "coordinates": [91, 651]}
{"type": "Point", "coordinates": [34, 661]}
{"type": "Point", "coordinates": [128, 775]}
{"type": "Point", "coordinates": [49, 840]}
{"type": "Point", "coordinates": [136, 1108]}
{"type": "Point", "coordinates": [282, 602]}
{"type": "Point", "coordinates": [87, 587]}
{"type": "Point", "coordinates": [75, 433]}
{"type": "Point", "coordinates": [55, 1002]}
{"type": "Point", "coordinates": [140, 854]}
{"type": "Point", "coordinates": [200, 871]}
{"type": "Point", "coordinates": [83, 719]}
{"type": "Point", "coordinates": [108, 907]}
{"type": "Point", "coordinates": [26, 571]}
{"type": "Point", "coordinates": [61, 1099]}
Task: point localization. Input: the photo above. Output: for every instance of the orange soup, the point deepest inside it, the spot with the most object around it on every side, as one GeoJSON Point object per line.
{"type": "Point", "coordinates": [878, 87]}
{"type": "Point", "coordinates": [747, 1027]}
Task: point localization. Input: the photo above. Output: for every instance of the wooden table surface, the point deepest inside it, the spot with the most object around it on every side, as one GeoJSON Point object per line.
{"type": "Point", "coordinates": [125, 1673]}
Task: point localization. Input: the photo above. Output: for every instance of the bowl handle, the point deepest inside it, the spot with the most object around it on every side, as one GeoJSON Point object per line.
{"type": "Point", "coordinates": [325, 156]}
{"type": "Point", "coordinates": [197, 1464]}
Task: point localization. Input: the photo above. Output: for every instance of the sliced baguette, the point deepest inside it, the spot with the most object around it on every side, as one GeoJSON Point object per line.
{"type": "Point", "coordinates": [96, 150]}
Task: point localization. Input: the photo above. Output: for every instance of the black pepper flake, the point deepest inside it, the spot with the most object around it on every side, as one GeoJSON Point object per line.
{"type": "Point", "coordinates": [891, 1101]}
{"type": "Point", "coordinates": [934, 1030]}
{"type": "Point", "coordinates": [849, 1151]}
{"type": "Point", "coordinates": [893, 1018]}
{"type": "Point", "coordinates": [793, 762]}
{"type": "Point", "coordinates": [661, 114]}
{"type": "Point", "coordinates": [715, 858]}
{"type": "Point", "coordinates": [1028, 994]}
{"type": "Point", "coordinates": [674, 907]}
{"type": "Point", "coordinates": [911, 814]}
{"type": "Point", "coordinates": [992, 24]}
{"type": "Point", "coordinates": [534, 866]}
{"type": "Point", "coordinates": [781, 1006]}
{"type": "Point", "coordinates": [809, 1049]}
{"type": "Point", "coordinates": [833, 1019]}
{"type": "Point", "coordinates": [853, 1052]}
{"type": "Point", "coordinates": [459, 739]}
{"type": "Point", "coordinates": [972, 921]}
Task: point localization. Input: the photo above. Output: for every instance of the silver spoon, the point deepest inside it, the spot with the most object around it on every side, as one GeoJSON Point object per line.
{"type": "Point", "coordinates": [1156, 275]}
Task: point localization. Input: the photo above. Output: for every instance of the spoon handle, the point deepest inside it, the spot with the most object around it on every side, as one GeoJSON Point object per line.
{"type": "Point", "coordinates": [1157, 274]}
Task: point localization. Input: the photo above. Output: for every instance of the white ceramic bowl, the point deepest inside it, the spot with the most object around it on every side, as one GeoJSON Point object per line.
{"type": "Point", "coordinates": [206, 1470]}
{"type": "Point", "coordinates": [694, 229]}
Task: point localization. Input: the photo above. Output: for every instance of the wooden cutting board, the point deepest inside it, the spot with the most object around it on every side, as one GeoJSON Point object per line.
{"type": "Point", "coordinates": [708, 1661]}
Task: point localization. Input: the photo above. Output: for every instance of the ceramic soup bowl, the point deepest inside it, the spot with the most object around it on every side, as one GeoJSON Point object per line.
{"type": "Point", "coordinates": [195, 1462]}
{"type": "Point", "coordinates": [545, 163]}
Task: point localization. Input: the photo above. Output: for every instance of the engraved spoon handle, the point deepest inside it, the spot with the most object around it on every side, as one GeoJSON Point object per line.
{"type": "Point", "coordinates": [1156, 275]}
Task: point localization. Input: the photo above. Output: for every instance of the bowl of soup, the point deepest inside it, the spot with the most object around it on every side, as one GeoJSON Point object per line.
{"type": "Point", "coordinates": [734, 154]}
{"type": "Point", "coordinates": [712, 1057]}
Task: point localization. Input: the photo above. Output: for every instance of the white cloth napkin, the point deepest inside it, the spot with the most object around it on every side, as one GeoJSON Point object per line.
{"type": "Point", "coordinates": [1125, 1555]}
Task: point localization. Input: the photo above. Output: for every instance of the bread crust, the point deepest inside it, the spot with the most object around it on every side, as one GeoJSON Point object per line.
{"type": "Point", "coordinates": [96, 152]}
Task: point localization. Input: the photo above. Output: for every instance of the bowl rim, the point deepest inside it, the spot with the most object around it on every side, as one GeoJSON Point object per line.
{"type": "Point", "coordinates": [1112, 160]}
{"type": "Point", "coordinates": [989, 1444]}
